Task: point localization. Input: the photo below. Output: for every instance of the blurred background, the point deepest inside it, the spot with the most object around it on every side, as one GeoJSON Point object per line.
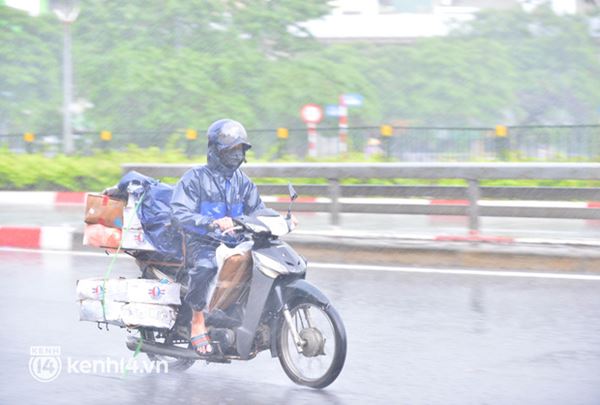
{"type": "Point", "coordinates": [410, 80]}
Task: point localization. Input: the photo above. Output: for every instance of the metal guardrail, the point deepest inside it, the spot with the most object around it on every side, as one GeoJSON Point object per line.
{"type": "Point", "coordinates": [471, 173]}
{"type": "Point", "coordinates": [400, 142]}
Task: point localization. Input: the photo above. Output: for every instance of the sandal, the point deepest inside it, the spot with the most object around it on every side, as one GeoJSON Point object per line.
{"type": "Point", "coordinates": [202, 340]}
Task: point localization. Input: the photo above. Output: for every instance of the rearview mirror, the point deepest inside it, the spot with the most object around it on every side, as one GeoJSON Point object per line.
{"type": "Point", "coordinates": [293, 194]}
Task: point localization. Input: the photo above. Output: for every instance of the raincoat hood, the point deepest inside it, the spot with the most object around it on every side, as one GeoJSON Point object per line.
{"type": "Point", "coordinates": [222, 136]}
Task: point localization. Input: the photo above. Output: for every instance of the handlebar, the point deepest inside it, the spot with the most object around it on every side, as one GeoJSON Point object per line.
{"type": "Point", "coordinates": [248, 228]}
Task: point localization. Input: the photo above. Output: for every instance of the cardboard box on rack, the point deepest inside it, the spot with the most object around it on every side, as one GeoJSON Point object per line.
{"type": "Point", "coordinates": [133, 236]}
{"type": "Point", "coordinates": [93, 311]}
{"type": "Point", "coordinates": [114, 289]}
{"type": "Point", "coordinates": [101, 236]}
{"type": "Point", "coordinates": [104, 210]}
{"type": "Point", "coordinates": [129, 290]}
{"type": "Point", "coordinates": [122, 314]}
{"type": "Point", "coordinates": [153, 292]}
{"type": "Point", "coordinates": [153, 315]}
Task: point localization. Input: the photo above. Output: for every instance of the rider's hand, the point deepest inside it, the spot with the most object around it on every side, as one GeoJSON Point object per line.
{"type": "Point", "coordinates": [294, 221]}
{"type": "Point", "coordinates": [224, 223]}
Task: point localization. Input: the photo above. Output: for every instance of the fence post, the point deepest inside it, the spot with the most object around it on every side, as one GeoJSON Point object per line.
{"type": "Point", "coordinates": [190, 135]}
{"type": "Point", "coordinates": [29, 138]}
{"type": "Point", "coordinates": [334, 195]}
{"type": "Point", "coordinates": [282, 137]}
{"type": "Point", "coordinates": [386, 134]}
{"type": "Point", "coordinates": [502, 142]}
{"type": "Point", "coordinates": [105, 139]}
{"type": "Point", "coordinates": [473, 192]}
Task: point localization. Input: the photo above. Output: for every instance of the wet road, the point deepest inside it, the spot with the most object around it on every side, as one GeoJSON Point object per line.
{"type": "Point", "coordinates": [417, 338]}
{"type": "Point", "coordinates": [72, 216]}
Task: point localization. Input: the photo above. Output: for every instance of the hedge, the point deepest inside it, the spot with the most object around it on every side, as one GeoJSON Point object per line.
{"type": "Point", "coordinates": [103, 169]}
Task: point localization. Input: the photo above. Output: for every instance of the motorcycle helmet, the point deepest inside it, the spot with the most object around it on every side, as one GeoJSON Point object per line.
{"type": "Point", "coordinates": [229, 142]}
{"type": "Point", "coordinates": [227, 133]}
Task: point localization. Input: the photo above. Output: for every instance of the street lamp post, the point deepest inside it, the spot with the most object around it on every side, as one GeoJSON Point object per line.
{"type": "Point", "coordinates": [67, 12]}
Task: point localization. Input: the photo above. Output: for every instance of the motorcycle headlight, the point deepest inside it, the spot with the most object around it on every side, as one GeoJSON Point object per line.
{"type": "Point", "coordinates": [271, 268]}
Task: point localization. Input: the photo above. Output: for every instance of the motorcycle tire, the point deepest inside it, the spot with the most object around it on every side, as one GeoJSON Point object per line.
{"type": "Point", "coordinates": [317, 344]}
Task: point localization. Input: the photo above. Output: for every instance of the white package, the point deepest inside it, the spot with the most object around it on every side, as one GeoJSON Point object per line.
{"type": "Point", "coordinates": [129, 290]}
{"type": "Point", "coordinates": [135, 239]}
{"type": "Point", "coordinates": [130, 217]}
{"type": "Point", "coordinates": [152, 315]}
{"type": "Point", "coordinates": [91, 310]}
{"type": "Point", "coordinates": [133, 235]}
{"type": "Point", "coordinates": [153, 292]}
{"type": "Point", "coordinates": [93, 288]}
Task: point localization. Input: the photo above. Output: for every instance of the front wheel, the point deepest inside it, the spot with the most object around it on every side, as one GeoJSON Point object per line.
{"type": "Point", "coordinates": [319, 358]}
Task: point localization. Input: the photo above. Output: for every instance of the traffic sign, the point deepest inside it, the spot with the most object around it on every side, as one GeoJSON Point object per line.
{"type": "Point", "coordinates": [311, 113]}
{"type": "Point", "coordinates": [332, 110]}
{"type": "Point", "coordinates": [353, 99]}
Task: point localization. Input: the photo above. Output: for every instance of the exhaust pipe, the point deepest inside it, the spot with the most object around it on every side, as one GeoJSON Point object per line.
{"type": "Point", "coordinates": [162, 350]}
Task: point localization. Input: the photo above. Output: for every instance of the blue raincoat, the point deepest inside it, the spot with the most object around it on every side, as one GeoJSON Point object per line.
{"type": "Point", "coordinates": [202, 195]}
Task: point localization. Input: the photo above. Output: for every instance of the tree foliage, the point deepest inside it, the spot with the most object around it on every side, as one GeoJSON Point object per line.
{"type": "Point", "coordinates": [149, 65]}
{"type": "Point", "coordinates": [29, 72]}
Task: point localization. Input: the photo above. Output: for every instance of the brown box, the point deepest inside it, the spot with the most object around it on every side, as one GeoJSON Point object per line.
{"type": "Point", "coordinates": [103, 210]}
{"type": "Point", "coordinates": [101, 236]}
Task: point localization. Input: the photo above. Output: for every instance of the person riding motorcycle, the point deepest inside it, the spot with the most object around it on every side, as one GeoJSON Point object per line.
{"type": "Point", "coordinates": [208, 197]}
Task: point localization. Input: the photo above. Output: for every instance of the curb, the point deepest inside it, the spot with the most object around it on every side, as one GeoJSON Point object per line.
{"type": "Point", "coordinates": [338, 247]}
{"type": "Point", "coordinates": [42, 198]}
{"type": "Point", "coordinates": [45, 237]}
{"type": "Point", "coordinates": [49, 198]}
{"type": "Point", "coordinates": [543, 257]}
{"type": "Point", "coordinates": [474, 250]}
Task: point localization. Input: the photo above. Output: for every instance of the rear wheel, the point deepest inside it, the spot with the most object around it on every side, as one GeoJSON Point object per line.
{"type": "Point", "coordinates": [175, 364]}
{"type": "Point", "coordinates": [320, 358]}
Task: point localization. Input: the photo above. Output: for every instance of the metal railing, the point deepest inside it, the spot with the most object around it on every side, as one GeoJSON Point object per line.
{"type": "Point", "coordinates": [472, 174]}
{"type": "Point", "coordinates": [404, 143]}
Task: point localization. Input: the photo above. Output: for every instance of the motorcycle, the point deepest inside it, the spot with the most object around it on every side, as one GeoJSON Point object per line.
{"type": "Point", "coordinates": [274, 309]}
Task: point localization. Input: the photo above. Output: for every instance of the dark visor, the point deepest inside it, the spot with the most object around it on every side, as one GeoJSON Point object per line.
{"type": "Point", "coordinates": [231, 135]}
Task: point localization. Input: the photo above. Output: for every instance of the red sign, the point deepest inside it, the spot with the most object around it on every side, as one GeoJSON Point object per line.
{"type": "Point", "coordinates": [311, 113]}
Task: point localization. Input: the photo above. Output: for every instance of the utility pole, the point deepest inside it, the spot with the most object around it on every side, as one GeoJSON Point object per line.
{"type": "Point", "coordinates": [67, 12]}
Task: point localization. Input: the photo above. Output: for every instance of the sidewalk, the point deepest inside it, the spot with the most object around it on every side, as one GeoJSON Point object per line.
{"type": "Point", "coordinates": [398, 240]}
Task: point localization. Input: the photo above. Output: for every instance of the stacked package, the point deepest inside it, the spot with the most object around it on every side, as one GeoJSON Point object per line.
{"type": "Point", "coordinates": [110, 224]}
{"type": "Point", "coordinates": [128, 302]}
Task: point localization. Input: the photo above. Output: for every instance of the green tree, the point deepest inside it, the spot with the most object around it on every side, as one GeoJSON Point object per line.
{"type": "Point", "coordinates": [184, 63]}
{"type": "Point", "coordinates": [29, 73]}
{"type": "Point", "coordinates": [555, 75]}
{"type": "Point", "coordinates": [160, 66]}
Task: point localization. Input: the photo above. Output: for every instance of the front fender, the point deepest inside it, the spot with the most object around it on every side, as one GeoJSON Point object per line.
{"type": "Point", "coordinates": [297, 291]}
{"type": "Point", "coordinates": [303, 290]}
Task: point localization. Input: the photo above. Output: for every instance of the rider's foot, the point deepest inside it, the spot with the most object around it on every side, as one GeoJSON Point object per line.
{"type": "Point", "coordinates": [200, 340]}
{"type": "Point", "coordinates": [201, 343]}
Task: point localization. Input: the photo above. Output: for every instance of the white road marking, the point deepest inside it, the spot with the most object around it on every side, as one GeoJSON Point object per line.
{"type": "Point", "coordinates": [359, 267]}
{"type": "Point", "coordinates": [488, 273]}
{"type": "Point", "coordinates": [62, 252]}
